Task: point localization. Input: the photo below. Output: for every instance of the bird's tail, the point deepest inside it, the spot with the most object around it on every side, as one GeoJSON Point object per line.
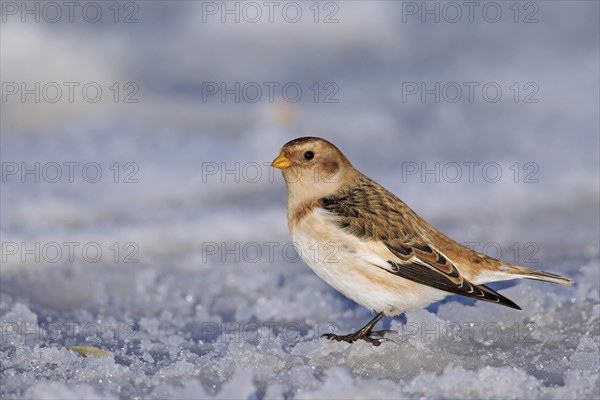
{"type": "Point", "coordinates": [529, 273]}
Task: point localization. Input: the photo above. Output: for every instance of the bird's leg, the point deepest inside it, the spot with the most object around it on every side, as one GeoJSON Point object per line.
{"type": "Point", "coordinates": [365, 333]}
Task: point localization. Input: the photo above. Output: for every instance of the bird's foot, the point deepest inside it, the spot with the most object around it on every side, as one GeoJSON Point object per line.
{"type": "Point", "coordinates": [373, 337]}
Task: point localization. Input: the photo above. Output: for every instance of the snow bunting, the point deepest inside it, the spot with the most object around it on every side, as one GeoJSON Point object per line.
{"type": "Point", "coordinates": [370, 246]}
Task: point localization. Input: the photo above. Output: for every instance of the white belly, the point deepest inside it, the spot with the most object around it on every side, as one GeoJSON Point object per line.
{"type": "Point", "coordinates": [347, 264]}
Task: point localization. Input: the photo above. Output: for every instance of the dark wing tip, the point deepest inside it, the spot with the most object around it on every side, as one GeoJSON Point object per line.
{"type": "Point", "coordinates": [493, 296]}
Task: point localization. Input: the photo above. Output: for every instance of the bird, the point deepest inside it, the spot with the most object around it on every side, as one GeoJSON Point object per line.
{"type": "Point", "coordinates": [369, 245]}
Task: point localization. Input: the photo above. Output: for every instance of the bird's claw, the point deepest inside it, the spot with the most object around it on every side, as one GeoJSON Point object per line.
{"type": "Point", "coordinates": [366, 336]}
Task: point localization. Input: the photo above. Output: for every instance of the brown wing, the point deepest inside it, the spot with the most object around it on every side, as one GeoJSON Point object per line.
{"type": "Point", "coordinates": [372, 213]}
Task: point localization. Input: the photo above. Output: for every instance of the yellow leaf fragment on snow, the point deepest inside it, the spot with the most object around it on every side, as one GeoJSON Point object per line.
{"type": "Point", "coordinates": [84, 351]}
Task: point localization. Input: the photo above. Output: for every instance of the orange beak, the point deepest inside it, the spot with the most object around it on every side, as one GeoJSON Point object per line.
{"type": "Point", "coordinates": [281, 162]}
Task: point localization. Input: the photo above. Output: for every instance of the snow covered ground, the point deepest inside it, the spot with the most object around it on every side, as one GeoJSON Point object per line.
{"type": "Point", "coordinates": [156, 231]}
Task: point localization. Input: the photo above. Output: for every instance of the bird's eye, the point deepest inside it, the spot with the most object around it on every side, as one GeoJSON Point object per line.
{"type": "Point", "coordinates": [309, 155]}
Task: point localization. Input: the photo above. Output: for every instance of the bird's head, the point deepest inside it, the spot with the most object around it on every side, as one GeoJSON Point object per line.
{"type": "Point", "coordinates": [313, 168]}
